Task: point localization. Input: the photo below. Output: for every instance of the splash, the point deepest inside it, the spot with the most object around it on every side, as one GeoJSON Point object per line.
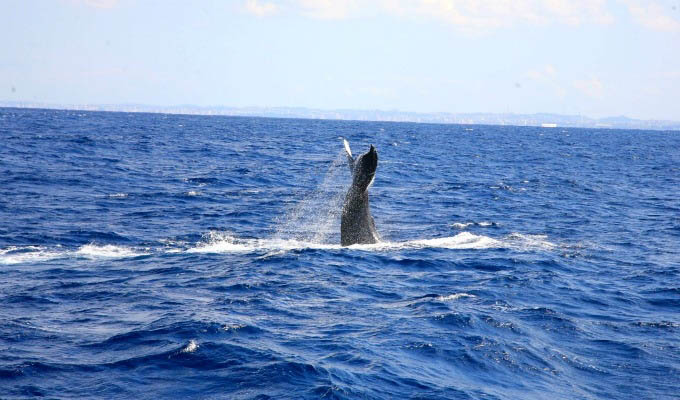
{"type": "Point", "coordinates": [218, 242]}
{"type": "Point", "coordinates": [316, 218]}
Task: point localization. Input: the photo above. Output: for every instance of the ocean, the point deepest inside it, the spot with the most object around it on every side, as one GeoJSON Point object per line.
{"type": "Point", "coordinates": [175, 256]}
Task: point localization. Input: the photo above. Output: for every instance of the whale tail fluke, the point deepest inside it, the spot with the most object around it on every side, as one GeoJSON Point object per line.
{"type": "Point", "coordinates": [357, 225]}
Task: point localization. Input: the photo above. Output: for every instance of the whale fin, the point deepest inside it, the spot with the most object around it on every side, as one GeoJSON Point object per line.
{"type": "Point", "coordinates": [350, 159]}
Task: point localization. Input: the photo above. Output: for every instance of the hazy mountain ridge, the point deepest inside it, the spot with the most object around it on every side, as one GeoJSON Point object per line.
{"type": "Point", "coordinates": [538, 119]}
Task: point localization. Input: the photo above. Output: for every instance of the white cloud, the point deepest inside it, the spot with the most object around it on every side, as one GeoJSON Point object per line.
{"type": "Point", "coordinates": [591, 87]}
{"type": "Point", "coordinates": [492, 14]}
{"type": "Point", "coordinates": [671, 75]}
{"type": "Point", "coordinates": [328, 9]}
{"type": "Point", "coordinates": [546, 76]}
{"type": "Point", "coordinates": [474, 16]}
{"type": "Point", "coordinates": [96, 3]}
{"type": "Point", "coordinates": [541, 74]}
{"type": "Point", "coordinates": [260, 9]}
{"type": "Point", "coordinates": [651, 15]}
{"type": "Point", "coordinates": [579, 12]}
{"type": "Point", "coordinates": [471, 15]}
{"type": "Point", "coordinates": [317, 9]}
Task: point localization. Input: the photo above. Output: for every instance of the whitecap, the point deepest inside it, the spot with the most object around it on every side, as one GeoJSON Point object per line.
{"type": "Point", "coordinates": [28, 254]}
{"type": "Point", "coordinates": [455, 296]}
{"type": "Point", "coordinates": [233, 327]}
{"type": "Point", "coordinates": [463, 240]}
{"type": "Point", "coordinates": [190, 347]}
{"type": "Point", "coordinates": [221, 242]}
{"type": "Point", "coordinates": [107, 251]}
{"type": "Point", "coordinates": [529, 242]}
{"type": "Point", "coordinates": [217, 242]}
{"type": "Point", "coordinates": [463, 225]}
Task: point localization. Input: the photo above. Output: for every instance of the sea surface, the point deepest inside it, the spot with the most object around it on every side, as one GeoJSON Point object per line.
{"type": "Point", "coordinates": [169, 256]}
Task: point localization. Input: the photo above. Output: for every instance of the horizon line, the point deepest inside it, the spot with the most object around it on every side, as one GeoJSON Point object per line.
{"type": "Point", "coordinates": [537, 119]}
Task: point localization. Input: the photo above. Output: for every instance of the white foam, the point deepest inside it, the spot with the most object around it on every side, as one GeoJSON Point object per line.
{"type": "Point", "coordinates": [463, 225]}
{"type": "Point", "coordinates": [529, 242]}
{"type": "Point", "coordinates": [27, 254]}
{"type": "Point", "coordinates": [463, 240]}
{"type": "Point", "coordinates": [107, 251]}
{"type": "Point", "coordinates": [118, 195]}
{"type": "Point", "coordinates": [224, 246]}
{"type": "Point", "coordinates": [33, 254]}
{"type": "Point", "coordinates": [191, 347]}
{"type": "Point", "coordinates": [219, 242]}
{"type": "Point", "coordinates": [17, 248]}
{"type": "Point", "coordinates": [454, 296]}
{"type": "Point", "coordinates": [224, 242]}
{"type": "Point", "coordinates": [233, 327]}
{"type": "Point", "coordinates": [192, 193]}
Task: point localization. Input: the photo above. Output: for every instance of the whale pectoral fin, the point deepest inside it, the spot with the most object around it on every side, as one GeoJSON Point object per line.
{"type": "Point", "coordinates": [350, 159]}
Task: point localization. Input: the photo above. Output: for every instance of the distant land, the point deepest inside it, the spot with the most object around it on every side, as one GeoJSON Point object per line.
{"type": "Point", "coordinates": [539, 119]}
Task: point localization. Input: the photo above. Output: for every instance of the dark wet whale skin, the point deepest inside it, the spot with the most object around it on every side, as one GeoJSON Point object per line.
{"type": "Point", "coordinates": [357, 225]}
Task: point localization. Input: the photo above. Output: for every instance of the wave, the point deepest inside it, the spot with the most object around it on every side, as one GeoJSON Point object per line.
{"type": "Point", "coordinates": [27, 254]}
{"type": "Point", "coordinates": [221, 242]}
{"type": "Point", "coordinates": [224, 242]}
{"type": "Point", "coordinates": [454, 296]}
{"type": "Point", "coordinates": [463, 225]}
{"type": "Point", "coordinates": [529, 242]}
{"type": "Point", "coordinates": [463, 240]}
{"type": "Point", "coordinates": [32, 254]}
{"type": "Point", "coordinates": [108, 251]}
{"type": "Point", "coordinates": [190, 347]}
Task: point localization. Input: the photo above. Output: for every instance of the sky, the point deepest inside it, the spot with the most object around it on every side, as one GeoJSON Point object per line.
{"type": "Point", "coordinates": [590, 57]}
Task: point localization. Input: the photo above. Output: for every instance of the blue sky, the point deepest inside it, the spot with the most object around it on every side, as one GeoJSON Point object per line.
{"type": "Point", "coordinates": [591, 57]}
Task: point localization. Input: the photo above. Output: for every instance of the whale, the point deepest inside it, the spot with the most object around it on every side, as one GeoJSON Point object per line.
{"type": "Point", "coordinates": [357, 225]}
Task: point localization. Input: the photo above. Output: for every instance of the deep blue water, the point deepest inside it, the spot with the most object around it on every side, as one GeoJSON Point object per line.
{"type": "Point", "coordinates": [164, 256]}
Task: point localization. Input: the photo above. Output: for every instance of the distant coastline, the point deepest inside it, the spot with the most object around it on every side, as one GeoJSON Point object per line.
{"type": "Point", "coordinates": [538, 119]}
